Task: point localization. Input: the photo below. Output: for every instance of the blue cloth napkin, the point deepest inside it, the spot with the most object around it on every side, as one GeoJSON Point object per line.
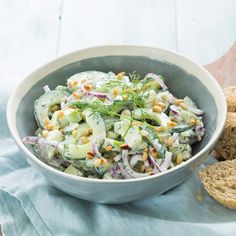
{"type": "Point", "coordinates": [31, 206]}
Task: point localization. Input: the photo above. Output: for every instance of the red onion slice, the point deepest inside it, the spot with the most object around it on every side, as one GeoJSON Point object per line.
{"type": "Point", "coordinates": [158, 79]}
{"type": "Point", "coordinates": [46, 88]}
{"type": "Point", "coordinates": [128, 169]}
{"type": "Point", "coordinates": [93, 94]}
{"type": "Point", "coordinates": [166, 163]}
{"type": "Point", "coordinates": [174, 110]}
{"type": "Point", "coordinates": [52, 143]}
{"type": "Point", "coordinates": [40, 141]}
{"type": "Point", "coordinates": [30, 139]}
{"type": "Point", "coordinates": [195, 110]}
{"type": "Point", "coordinates": [117, 158]}
{"type": "Point", "coordinates": [97, 141]}
{"type": "Point", "coordinates": [157, 168]}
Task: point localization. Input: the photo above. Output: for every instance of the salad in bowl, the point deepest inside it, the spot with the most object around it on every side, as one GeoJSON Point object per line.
{"type": "Point", "coordinates": [114, 126]}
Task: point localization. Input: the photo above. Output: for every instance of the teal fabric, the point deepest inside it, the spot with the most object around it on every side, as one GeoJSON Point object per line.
{"type": "Point", "coordinates": [31, 206]}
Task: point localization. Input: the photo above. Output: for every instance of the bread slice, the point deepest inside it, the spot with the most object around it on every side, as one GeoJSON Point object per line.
{"type": "Point", "coordinates": [230, 95]}
{"type": "Point", "coordinates": [231, 103]}
{"type": "Point", "coordinates": [219, 181]}
{"type": "Point", "coordinates": [226, 146]}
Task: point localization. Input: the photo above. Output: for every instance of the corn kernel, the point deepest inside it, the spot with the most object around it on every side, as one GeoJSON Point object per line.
{"type": "Point", "coordinates": [161, 104]}
{"type": "Point", "coordinates": [145, 156]}
{"type": "Point", "coordinates": [45, 133]}
{"type": "Point", "coordinates": [108, 148]}
{"type": "Point", "coordinates": [90, 131]}
{"type": "Point", "coordinates": [60, 114]}
{"type": "Point", "coordinates": [76, 95]}
{"type": "Point", "coordinates": [144, 133]}
{"type": "Point", "coordinates": [103, 160]}
{"type": "Point", "coordinates": [74, 83]}
{"type": "Point", "coordinates": [164, 97]}
{"type": "Point", "coordinates": [120, 76]}
{"type": "Point", "coordinates": [157, 109]}
{"type": "Point", "coordinates": [49, 127]}
{"type": "Point", "coordinates": [55, 108]}
{"type": "Point", "coordinates": [142, 168]}
{"type": "Point", "coordinates": [46, 121]}
{"type": "Point", "coordinates": [98, 162]}
{"type": "Point", "coordinates": [148, 169]}
{"type": "Point", "coordinates": [88, 87]}
{"type": "Point", "coordinates": [125, 97]}
{"type": "Point", "coordinates": [83, 80]}
{"type": "Point", "coordinates": [198, 122]}
{"type": "Point", "coordinates": [171, 123]}
{"type": "Point", "coordinates": [115, 92]}
{"type": "Point", "coordinates": [179, 159]}
{"type": "Point", "coordinates": [84, 140]}
{"type": "Point", "coordinates": [170, 141]}
{"type": "Point", "coordinates": [75, 133]}
{"type": "Point", "coordinates": [183, 105]}
{"type": "Point", "coordinates": [154, 153]}
{"type": "Point", "coordinates": [159, 129]}
{"type": "Point", "coordinates": [56, 127]}
{"type": "Point", "coordinates": [90, 155]}
{"type": "Point", "coordinates": [178, 101]}
{"type": "Point", "coordinates": [70, 84]}
{"type": "Point", "coordinates": [137, 123]}
{"type": "Point", "coordinates": [124, 146]}
{"type": "Point", "coordinates": [192, 122]}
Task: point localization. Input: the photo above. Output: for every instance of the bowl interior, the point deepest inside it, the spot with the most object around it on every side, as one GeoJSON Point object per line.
{"type": "Point", "coordinates": [179, 82]}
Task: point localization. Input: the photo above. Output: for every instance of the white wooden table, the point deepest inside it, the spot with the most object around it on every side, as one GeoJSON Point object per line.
{"type": "Point", "coordinates": [34, 32]}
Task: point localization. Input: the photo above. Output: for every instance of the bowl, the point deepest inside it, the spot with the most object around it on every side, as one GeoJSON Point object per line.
{"type": "Point", "coordinates": [183, 78]}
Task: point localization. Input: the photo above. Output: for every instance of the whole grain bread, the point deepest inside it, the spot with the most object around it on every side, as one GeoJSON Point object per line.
{"type": "Point", "coordinates": [226, 146]}
{"type": "Point", "coordinates": [219, 181]}
{"type": "Point", "coordinates": [230, 95]}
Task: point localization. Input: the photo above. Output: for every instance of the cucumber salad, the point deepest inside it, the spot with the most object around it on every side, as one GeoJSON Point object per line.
{"type": "Point", "coordinates": [114, 126]}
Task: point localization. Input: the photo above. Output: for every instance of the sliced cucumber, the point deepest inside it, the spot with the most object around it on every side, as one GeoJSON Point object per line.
{"type": "Point", "coordinates": [73, 151]}
{"type": "Point", "coordinates": [134, 139]}
{"type": "Point", "coordinates": [150, 83]}
{"type": "Point", "coordinates": [55, 135]}
{"type": "Point", "coordinates": [154, 139]}
{"type": "Point", "coordinates": [183, 149]}
{"type": "Point", "coordinates": [69, 128]}
{"type": "Point", "coordinates": [148, 114]}
{"type": "Point", "coordinates": [187, 136]}
{"type": "Point", "coordinates": [180, 128]}
{"type": "Point", "coordinates": [121, 127]}
{"type": "Point", "coordinates": [95, 121]}
{"type": "Point", "coordinates": [114, 143]}
{"type": "Point", "coordinates": [73, 171]}
{"type": "Point", "coordinates": [73, 116]}
{"type": "Point", "coordinates": [190, 102]}
{"type": "Point", "coordinates": [187, 116]}
{"type": "Point", "coordinates": [44, 102]}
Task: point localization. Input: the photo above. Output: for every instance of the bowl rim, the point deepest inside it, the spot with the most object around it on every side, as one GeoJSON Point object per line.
{"type": "Point", "coordinates": [58, 173]}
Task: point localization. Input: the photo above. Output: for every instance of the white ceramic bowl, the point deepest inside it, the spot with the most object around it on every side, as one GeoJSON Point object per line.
{"type": "Point", "coordinates": [183, 77]}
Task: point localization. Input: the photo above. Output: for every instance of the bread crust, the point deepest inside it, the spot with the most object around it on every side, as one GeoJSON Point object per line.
{"type": "Point", "coordinates": [219, 180]}
{"type": "Point", "coordinates": [230, 95]}
{"type": "Point", "coordinates": [226, 145]}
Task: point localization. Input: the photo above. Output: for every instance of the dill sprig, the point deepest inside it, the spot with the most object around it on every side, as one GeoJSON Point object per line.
{"type": "Point", "coordinates": [99, 107]}
{"type": "Point", "coordinates": [133, 90]}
